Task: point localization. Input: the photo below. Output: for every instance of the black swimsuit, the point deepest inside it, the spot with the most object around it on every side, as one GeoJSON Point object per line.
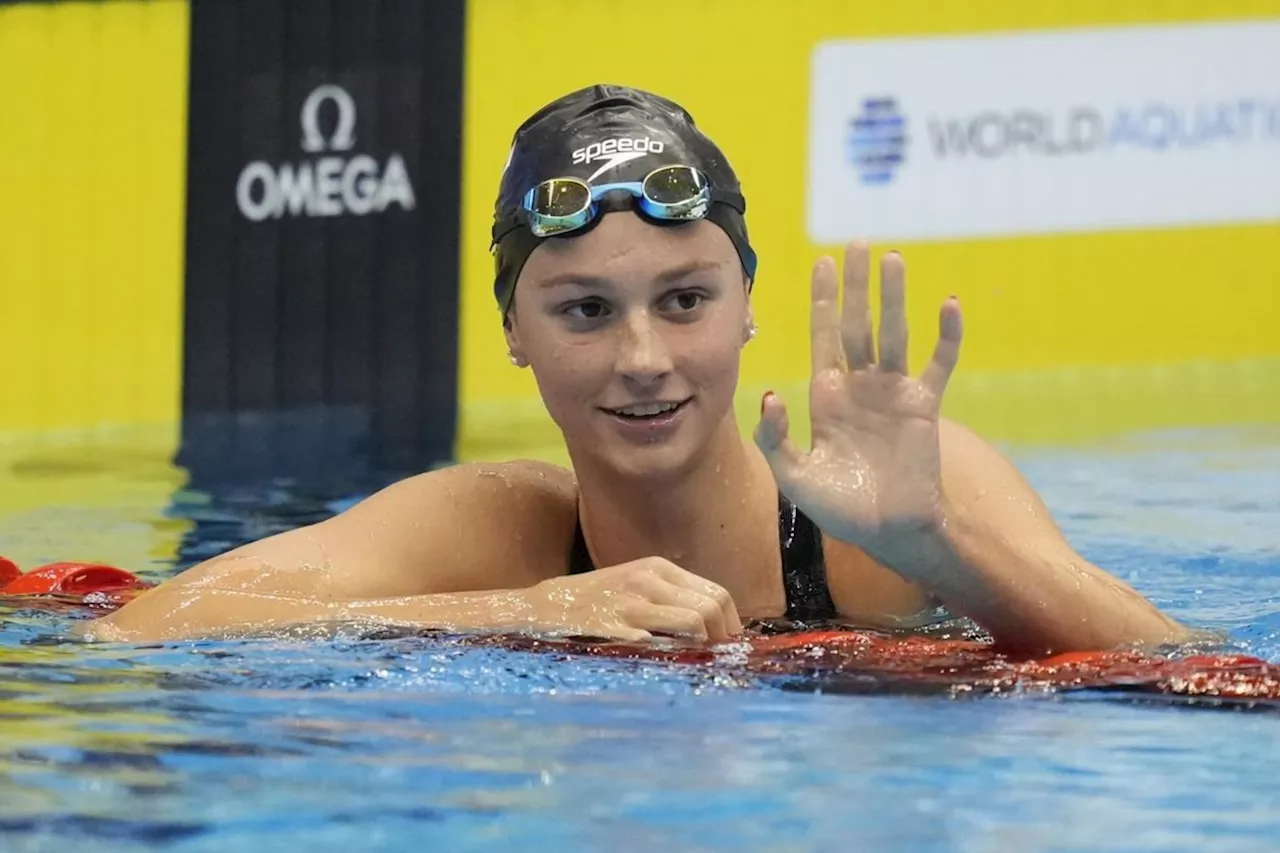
{"type": "Point", "coordinates": [804, 571]}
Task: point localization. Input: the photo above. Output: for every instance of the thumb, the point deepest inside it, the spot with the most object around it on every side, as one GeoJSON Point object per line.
{"type": "Point", "coordinates": [771, 437]}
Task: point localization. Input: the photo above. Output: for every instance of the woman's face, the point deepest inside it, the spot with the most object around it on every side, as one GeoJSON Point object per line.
{"type": "Point", "coordinates": [634, 332]}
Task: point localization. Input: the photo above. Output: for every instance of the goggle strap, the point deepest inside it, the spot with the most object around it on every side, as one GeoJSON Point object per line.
{"type": "Point", "coordinates": [735, 200]}
{"type": "Point", "coordinates": [511, 222]}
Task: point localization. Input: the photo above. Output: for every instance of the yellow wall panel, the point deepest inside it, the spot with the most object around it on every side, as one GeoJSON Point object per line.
{"type": "Point", "coordinates": [92, 160]}
{"type": "Point", "coordinates": [92, 168]}
{"type": "Point", "coordinates": [1068, 336]}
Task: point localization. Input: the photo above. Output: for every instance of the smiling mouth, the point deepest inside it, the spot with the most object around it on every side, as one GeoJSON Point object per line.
{"type": "Point", "coordinates": [647, 411]}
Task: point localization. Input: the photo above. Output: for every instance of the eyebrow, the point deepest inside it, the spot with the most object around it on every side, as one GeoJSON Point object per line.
{"type": "Point", "coordinates": [665, 277]}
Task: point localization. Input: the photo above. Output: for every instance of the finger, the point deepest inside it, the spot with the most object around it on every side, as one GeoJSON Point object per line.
{"type": "Point", "coordinates": [614, 628]}
{"type": "Point", "coordinates": [697, 600]}
{"type": "Point", "coordinates": [946, 352]}
{"type": "Point", "coordinates": [732, 621]}
{"type": "Point", "coordinates": [824, 318]}
{"type": "Point", "coordinates": [771, 437]}
{"type": "Point", "coordinates": [730, 624]}
{"type": "Point", "coordinates": [666, 619]}
{"type": "Point", "coordinates": [627, 634]}
{"type": "Point", "coordinates": [855, 319]}
{"type": "Point", "coordinates": [893, 314]}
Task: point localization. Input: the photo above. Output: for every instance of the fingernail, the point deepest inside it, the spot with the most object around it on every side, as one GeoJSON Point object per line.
{"type": "Point", "coordinates": [764, 401]}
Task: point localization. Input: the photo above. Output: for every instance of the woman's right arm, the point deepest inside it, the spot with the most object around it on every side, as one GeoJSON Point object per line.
{"type": "Point", "coordinates": [466, 548]}
{"type": "Point", "coordinates": [424, 550]}
{"type": "Point", "coordinates": [220, 610]}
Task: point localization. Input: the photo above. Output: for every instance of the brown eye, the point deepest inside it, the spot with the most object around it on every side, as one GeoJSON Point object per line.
{"type": "Point", "coordinates": [586, 310]}
{"type": "Point", "coordinates": [687, 301]}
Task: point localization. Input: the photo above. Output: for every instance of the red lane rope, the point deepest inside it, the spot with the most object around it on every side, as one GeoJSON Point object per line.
{"type": "Point", "coordinates": [959, 665]}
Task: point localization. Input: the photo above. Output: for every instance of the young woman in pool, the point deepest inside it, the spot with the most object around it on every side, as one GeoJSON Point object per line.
{"type": "Point", "coordinates": [624, 278]}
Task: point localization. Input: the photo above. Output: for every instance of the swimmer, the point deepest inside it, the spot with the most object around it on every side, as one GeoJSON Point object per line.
{"type": "Point", "coordinates": [623, 281]}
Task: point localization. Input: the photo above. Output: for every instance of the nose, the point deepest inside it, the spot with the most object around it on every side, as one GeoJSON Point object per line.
{"type": "Point", "coordinates": [642, 353]}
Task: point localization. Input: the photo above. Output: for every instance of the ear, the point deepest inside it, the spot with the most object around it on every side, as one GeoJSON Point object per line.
{"type": "Point", "coordinates": [512, 334]}
{"type": "Point", "coordinates": [749, 321]}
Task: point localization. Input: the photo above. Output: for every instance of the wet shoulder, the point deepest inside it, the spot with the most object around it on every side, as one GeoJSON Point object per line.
{"type": "Point", "coordinates": [496, 490]}
{"type": "Point", "coordinates": [518, 513]}
{"type": "Point", "coordinates": [546, 491]}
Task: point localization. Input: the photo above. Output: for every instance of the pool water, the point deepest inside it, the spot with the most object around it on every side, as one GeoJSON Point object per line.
{"type": "Point", "coordinates": [415, 743]}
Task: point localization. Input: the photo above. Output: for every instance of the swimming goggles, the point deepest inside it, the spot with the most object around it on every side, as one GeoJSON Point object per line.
{"type": "Point", "coordinates": [671, 193]}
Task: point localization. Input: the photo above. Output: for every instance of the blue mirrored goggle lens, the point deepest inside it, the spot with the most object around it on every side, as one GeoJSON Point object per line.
{"type": "Point", "coordinates": [677, 189]}
{"type": "Point", "coordinates": [558, 205]}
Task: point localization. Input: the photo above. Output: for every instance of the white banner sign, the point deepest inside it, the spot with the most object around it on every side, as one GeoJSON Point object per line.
{"type": "Point", "coordinates": [1049, 131]}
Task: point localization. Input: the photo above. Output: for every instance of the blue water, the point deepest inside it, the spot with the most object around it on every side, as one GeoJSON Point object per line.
{"type": "Point", "coordinates": [414, 744]}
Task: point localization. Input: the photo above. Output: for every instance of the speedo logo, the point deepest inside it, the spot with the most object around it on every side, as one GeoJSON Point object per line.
{"type": "Point", "coordinates": [610, 147]}
{"type": "Point", "coordinates": [615, 152]}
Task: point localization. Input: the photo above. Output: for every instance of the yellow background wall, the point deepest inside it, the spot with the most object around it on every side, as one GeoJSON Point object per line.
{"type": "Point", "coordinates": [1067, 337]}
{"type": "Point", "coordinates": [92, 167]}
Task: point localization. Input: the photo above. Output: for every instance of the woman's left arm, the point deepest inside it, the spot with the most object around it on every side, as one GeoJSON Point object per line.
{"type": "Point", "coordinates": [998, 557]}
{"type": "Point", "coordinates": [925, 497]}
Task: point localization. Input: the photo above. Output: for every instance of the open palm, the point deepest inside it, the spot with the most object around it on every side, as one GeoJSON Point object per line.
{"type": "Point", "coordinates": [873, 471]}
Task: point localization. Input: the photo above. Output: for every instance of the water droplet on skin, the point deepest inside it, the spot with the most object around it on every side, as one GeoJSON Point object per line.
{"type": "Point", "coordinates": [1076, 574]}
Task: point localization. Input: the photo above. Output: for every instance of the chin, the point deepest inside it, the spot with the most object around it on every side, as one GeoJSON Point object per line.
{"type": "Point", "coordinates": [656, 463]}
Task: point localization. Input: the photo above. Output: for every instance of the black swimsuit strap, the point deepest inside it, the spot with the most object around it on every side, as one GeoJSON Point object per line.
{"type": "Point", "coordinates": [804, 570]}
{"type": "Point", "coordinates": [804, 567]}
{"type": "Point", "coordinates": [580, 561]}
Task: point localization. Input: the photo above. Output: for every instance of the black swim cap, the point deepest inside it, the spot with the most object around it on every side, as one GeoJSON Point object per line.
{"type": "Point", "coordinates": [567, 138]}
